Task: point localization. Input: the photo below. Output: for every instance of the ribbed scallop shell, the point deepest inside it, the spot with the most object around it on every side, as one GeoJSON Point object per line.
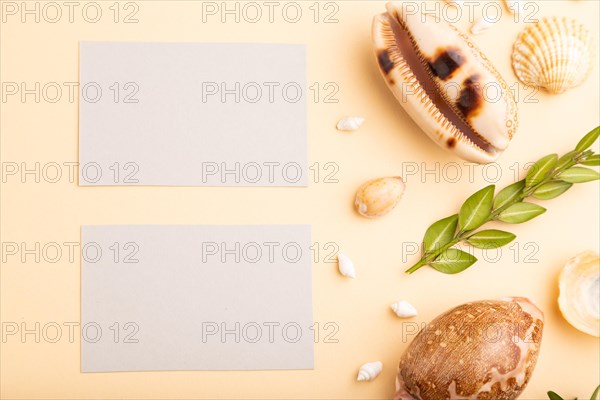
{"type": "Point", "coordinates": [555, 54]}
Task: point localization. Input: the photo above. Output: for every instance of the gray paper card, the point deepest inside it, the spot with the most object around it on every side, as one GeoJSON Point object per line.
{"type": "Point", "coordinates": [156, 298]}
{"type": "Point", "coordinates": [192, 114]}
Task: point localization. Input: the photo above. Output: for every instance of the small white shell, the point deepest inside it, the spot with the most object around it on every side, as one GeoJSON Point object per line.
{"type": "Point", "coordinates": [481, 25]}
{"type": "Point", "coordinates": [369, 371]}
{"type": "Point", "coordinates": [554, 54]}
{"type": "Point", "coordinates": [350, 123]}
{"type": "Point", "coordinates": [346, 266]}
{"type": "Point", "coordinates": [404, 309]}
{"type": "Point", "coordinates": [515, 6]}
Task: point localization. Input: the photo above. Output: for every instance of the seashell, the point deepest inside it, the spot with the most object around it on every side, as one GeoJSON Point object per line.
{"type": "Point", "coordinates": [455, 3]}
{"type": "Point", "coordinates": [479, 350]}
{"type": "Point", "coordinates": [379, 196]}
{"type": "Point", "coordinates": [350, 123]}
{"type": "Point", "coordinates": [554, 54]}
{"type": "Point", "coordinates": [404, 309]}
{"type": "Point", "coordinates": [439, 77]}
{"type": "Point", "coordinates": [369, 371]}
{"type": "Point", "coordinates": [346, 266]}
{"type": "Point", "coordinates": [481, 25]}
{"type": "Point", "coordinates": [579, 298]}
{"type": "Point", "coordinates": [515, 6]}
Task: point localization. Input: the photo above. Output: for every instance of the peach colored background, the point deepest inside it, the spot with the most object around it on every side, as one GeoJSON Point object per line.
{"type": "Point", "coordinates": [341, 53]}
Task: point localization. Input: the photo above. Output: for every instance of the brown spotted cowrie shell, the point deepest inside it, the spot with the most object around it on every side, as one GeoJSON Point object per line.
{"type": "Point", "coordinates": [484, 350]}
{"type": "Point", "coordinates": [446, 85]}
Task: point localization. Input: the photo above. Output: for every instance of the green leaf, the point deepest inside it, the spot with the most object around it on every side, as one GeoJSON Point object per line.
{"type": "Point", "coordinates": [490, 239]}
{"type": "Point", "coordinates": [554, 396]}
{"type": "Point", "coordinates": [592, 161]}
{"type": "Point", "coordinates": [508, 194]}
{"type": "Point", "coordinates": [538, 171]}
{"type": "Point", "coordinates": [595, 394]}
{"type": "Point", "coordinates": [588, 140]}
{"type": "Point", "coordinates": [551, 190]}
{"type": "Point", "coordinates": [579, 175]}
{"type": "Point", "coordinates": [440, 233]}
{"type": "Point", "coordinates": [453, 261]}
{"type": "Point", "coordinates": [521, 212]}
{"type": "Point", "coordinates": [476, 209]}
{"type": "Point", "coordinates": [566, 159]}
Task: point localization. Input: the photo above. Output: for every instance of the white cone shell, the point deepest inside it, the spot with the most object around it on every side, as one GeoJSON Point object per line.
{"type": "Point", "coordinates": [350, 123]}
{"type": "Point", "coordinates": [404, 309]}
{"type": "Point", "coordinates": [369, 371]}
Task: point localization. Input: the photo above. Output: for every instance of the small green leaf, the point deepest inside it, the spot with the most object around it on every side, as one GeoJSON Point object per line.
{"type": "Point", "coordinates": [476, 209]}
{"type": "Point", "coordinates": [538, 171]}
{"type": "Point", "coordinates": [521, 212]}
{"type": "Point", "coordinates": [595, 394]}
{"type": "Point", "coordinates": [440, 233]}
{"type": "Point", "coordinates": [508, 194]}
{"type": "Point", "coordinates": [490, 239]}
{"type": "Point", "coordinates": [588, 140]}
{"type": "Point", "coordinates": [579, 175]}
{"type": "Point", "coordinates": [453, 261]}
{"type": "Point", "coordinates": [566, 159]}
{"type": "Point", "coordinates": [592, 161]}
{"type": "Point", "coordinates": [551, 190]}
{"type": "Point", "coordinates": [553, 396]}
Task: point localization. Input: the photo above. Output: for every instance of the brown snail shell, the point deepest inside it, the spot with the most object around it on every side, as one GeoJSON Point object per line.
{"type": "Point", "coordinates": [479, 350]}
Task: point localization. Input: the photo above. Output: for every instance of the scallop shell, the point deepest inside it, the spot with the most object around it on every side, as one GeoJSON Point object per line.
{"type": "Point", "coordinates": [404, 309]}
{"type": "Point", "coordinates": [479, 350]}
{"type": "Point", "coordinates": [346, 266]}
{"type": "Point", "coordinates": [379, 196]}
{"type": "Point", "coordinates": [349, 123]}
{"type": "Point", "coordinates": [441, 80]}
{"type": "Point", "coordinates": [554, 54]}
{"type": "Point", "coordinates": [579, 298]}
{"type": "Point", "coordinates": [369, 371]}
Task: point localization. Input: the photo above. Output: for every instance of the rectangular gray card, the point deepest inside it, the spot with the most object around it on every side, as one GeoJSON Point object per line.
{"type": "Point", "coordinates": [192, 114]}
{"type": "Point", "coordinates": [156, 298]}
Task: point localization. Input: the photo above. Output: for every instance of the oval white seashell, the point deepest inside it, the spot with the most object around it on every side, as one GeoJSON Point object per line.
{"type": "Point", "coordinates": [515, 6]}
{"type": "Point", "coordinates": [346, 266]}
{"type": "Point", "coordinates": [438, 76]}
{"type": "Point", "coordinates": [378, 197]}
{"type": "Point", "coordinates": [404, 309]}
{"type": "Point", "coordinates": [554, 54]}
{"type": "Point", "coordinates": [479, 350]}
{"type": "Point", "coordinates": [579, 298]}
{"type": "Point", "coordinates": [481, 25]}
{"type": "Point", "coordinates": [350, 123]}
{"type": "Point", "coordinates": [369, 371]}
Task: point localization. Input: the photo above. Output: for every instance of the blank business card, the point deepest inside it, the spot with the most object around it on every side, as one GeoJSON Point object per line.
{"type": "Point", "coordinates": [192, 114]}
{"type": "Point", "coordinates": [156, 298]}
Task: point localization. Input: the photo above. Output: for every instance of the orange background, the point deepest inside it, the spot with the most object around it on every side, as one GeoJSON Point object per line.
{"type": "Point", "coordinates": [389, 143]}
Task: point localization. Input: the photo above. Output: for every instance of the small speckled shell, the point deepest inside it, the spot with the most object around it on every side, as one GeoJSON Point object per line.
{"type": "Point", "coordinates": [554, 54]}
{"type": "Point", "coordinates": [484, 350]}
{"type": "Point", "coordinates": [445, 83]}
{"type": "Point", "coordinates": [379, 196]}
